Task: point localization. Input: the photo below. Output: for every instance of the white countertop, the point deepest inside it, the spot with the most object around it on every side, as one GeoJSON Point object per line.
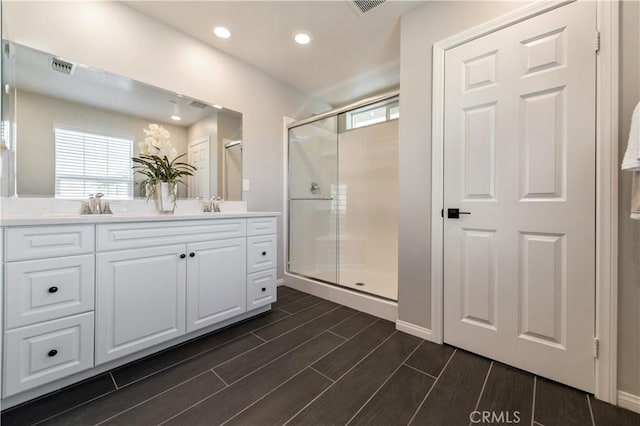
{"type": "Point", "coordinates": [75, 219]}
{"type": "Point", "coordinates": [31, 212]}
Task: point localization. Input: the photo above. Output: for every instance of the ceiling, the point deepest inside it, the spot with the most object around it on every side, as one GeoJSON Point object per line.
{"type": "Point", "coordinates": [350, 55]}
{"type": "Point", "coordinates": [32, 72]}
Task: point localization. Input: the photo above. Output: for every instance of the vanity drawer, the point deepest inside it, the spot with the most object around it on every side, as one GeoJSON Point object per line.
{"type": "Point", "coordinates": [137, 235]}
{"type": "Point", "coordinates": [261, 289]}
{"type": "Point", "coordinates": [46, 289]}
{"type": "Point", "coordinates": [261, 253]}
{"type": "Point", "coordinates": [262, 226]}
{"type": "Point", "coordinates": [42, 353]}
{"type": "Point", "coordinates": [48, 241]}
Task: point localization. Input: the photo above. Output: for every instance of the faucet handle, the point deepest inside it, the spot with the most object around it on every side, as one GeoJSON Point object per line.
{"type": "Point", "coordinates": [106, 209]}
{"type": "Point", "coordinates": [85, 209]}
{"type": "Point", "coordinates": [216, 204]}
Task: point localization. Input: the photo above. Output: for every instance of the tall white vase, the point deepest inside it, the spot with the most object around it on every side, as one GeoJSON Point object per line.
{"type": "Point", "coordinates": [166, 193]}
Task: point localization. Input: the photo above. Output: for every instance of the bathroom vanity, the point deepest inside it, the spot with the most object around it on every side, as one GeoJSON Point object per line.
{"type": "Point", "coordinates": [85, 294]}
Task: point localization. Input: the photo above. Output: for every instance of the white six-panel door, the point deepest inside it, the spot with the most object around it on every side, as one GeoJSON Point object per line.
{"type": "Point", "coordinates": [520, 157]}
{"type": "Point", "coordinates": [198, 155]}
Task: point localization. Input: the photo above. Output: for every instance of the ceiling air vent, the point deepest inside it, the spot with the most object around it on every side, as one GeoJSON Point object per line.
{"type": "Point", "coordinates": [197, 104]}
{"type": "Point", "coordinates": [62, 66]}
{"type": "Point", "coordinates": [363, 6]}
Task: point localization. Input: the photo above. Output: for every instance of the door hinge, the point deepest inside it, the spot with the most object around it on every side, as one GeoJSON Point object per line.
{"type": "Point", "coordinates": [596, 42]}
{"type": "Point", "coordinates": [596, 348]}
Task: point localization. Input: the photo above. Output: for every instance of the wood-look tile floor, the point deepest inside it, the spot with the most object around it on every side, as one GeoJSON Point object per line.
{"type": "Point", "coordinates": [313, 362]}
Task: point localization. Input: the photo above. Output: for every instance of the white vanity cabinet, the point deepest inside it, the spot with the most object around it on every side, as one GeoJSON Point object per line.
{"type": "Point", "coordinates": [216, 282]}
{"type": "Point", "coordinates": [82, 299]}
{"type": "Point", "coordinates": [140, 299]}
{"type": "Point", "coordinates": [48, 304]}
{"type": "Point", "coordinates": [262, 245]}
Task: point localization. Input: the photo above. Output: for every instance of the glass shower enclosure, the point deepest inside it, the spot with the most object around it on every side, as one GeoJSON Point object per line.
{"type": "Point", "coordinates": [343, 198]}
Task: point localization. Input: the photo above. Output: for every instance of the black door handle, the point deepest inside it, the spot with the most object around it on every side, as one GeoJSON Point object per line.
{"type": "Point", "coordinates": [53, 289]}
{"type": "Point", "coordinates": [182, 256]}
{"type": "Point", "coordinates": [192, 254]}
{"type": "Point", "coordinates": [455, 213]}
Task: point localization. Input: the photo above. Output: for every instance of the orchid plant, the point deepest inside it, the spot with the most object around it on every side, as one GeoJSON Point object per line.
{"type": "Point", "coordinates": [158, 161]}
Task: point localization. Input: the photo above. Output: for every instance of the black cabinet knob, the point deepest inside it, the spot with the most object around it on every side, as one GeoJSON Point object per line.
{"type": "Point", "coordinates": [52, 352]}
{"type": "Point", "coordinates": [182, 256]}
{"type": "Point", "coordinates": [264, 253]}
{"type": "Point", "coordinates": [192, 254]}
{"type": "Point", "coordinates": [53, 289]}
{"type": "Point", "coordinates": [264, 289]}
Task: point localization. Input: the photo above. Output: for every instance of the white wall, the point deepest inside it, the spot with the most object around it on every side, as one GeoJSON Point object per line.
{"type": "Point", "coordinates": [118, 39]}
{"type": "Point", "coordinates": [36, 116]}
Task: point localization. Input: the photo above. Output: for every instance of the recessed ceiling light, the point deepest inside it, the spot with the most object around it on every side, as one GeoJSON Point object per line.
{"type": "Point", "coordinates": [217, 106]}
{"type": "Point", "coordinates": [176, 118]}
{"type": "Point", "coordinates": [302, 38]}
{"type": "Point", "coordinates": [222, 32]}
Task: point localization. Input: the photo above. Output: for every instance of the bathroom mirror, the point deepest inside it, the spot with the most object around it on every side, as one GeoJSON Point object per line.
{"type": "Point", "coordinates": [69, 130]}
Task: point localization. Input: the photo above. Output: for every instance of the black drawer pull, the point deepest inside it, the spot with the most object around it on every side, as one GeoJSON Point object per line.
{"type": "Point", "coordinates": [53, 352]}
{"type": "Point", "coordinates": [192, 254]}
{"type": "Point", "coordinates": [264, 253]}
{"type": "Point", "coordinates": [182, 256]}
{"type": "Point", "coordinates": [53, 289]}
{"type": "Point", "coordinates": [264, 289]}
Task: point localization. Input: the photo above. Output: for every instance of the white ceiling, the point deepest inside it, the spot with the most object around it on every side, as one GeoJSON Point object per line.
{"type": "Point", "coordinates": [350, 56]}
{"type": "Point", "coordinates": [89, 86]}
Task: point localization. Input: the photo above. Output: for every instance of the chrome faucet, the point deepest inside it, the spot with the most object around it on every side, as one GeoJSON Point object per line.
{"type": "Point", "coordinates": [211, 205]}
{"type": "Point", "coordinates": [206, 205]}
{"type": "Point", "coordinates": [94, 205]}
{"type": "Point", "coordinates": [98, 206]}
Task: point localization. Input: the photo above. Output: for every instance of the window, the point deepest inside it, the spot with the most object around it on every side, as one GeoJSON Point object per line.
{"type": "Point", "coordinates": [373, 114]}
{"type": "Point", "coordinates": [87, 163]}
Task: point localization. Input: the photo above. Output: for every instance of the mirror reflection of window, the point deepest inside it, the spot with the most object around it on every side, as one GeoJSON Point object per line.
{"type": "Point", "coordinates": [88, 163]}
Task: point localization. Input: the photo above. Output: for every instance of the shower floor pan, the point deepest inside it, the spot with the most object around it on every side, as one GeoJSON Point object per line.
{"type": "Point", "coordinates": [378, 283]}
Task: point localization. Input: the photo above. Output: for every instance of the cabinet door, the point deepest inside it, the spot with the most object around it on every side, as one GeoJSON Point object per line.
{"type": "Point", "coordinates": [140, 299]}
{"type": "Point", "coordinates": [216, 282]}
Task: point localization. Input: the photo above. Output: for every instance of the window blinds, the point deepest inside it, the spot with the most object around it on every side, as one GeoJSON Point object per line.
{"type": "Point", "coordinates": [87, 163]}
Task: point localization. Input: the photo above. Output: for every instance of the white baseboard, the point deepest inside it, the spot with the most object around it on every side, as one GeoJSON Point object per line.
{"type": "Point", "coordinates": [414, 330]}
{"type": "Point", "coordinates": [279, 282]}
{"type": "Point", "coordinates": [629, 401]}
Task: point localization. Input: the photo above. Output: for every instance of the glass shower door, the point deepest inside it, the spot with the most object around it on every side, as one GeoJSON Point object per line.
{"type": "Point", "coordinates": [313, 177]}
